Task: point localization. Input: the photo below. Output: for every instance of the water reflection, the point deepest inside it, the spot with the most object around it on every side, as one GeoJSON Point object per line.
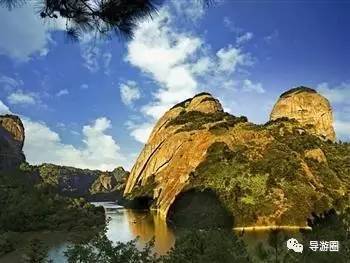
{"type": "Point", "coordinates": [147, 225]}
{"type": "Point", "coordinates": [126, 224]}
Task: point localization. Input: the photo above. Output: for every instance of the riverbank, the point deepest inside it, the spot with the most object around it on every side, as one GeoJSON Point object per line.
{"type": "Point", "coordinates": [270, 228]}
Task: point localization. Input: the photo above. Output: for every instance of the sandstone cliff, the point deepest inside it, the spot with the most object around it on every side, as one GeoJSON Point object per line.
{"type": "Point", "coordinates": [11, 142]}
{"type": "Point", "coordinates": [272, 174]}
{"type": "Point", "coordinates": [307, 107]}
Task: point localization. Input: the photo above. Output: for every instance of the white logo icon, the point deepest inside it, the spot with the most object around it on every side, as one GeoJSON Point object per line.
{"type": "Point", "coordinates": [294, 245]}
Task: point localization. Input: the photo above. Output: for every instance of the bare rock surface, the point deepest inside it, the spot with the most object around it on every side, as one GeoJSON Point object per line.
{"type": "Point", "coordinates": [307, 107]}
{"type": "Point", "coordinates": [11, 142]}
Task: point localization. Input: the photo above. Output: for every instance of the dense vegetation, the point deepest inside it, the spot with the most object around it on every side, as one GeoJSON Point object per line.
{"type": "Point", "coordinates": [191, 246]}
{"type": "Point", "coordinates": [75, 182]}
{"type": "Point", "coordinates": [280, 178]}
{"type": "Point", "coordinates": [215, 245]}
{"type": "Point", "coordinates": [297, 90]}
{"type": "Point", "coordinates": [197, 120]}
{"type": "Point", "coordinates": [25, 207]}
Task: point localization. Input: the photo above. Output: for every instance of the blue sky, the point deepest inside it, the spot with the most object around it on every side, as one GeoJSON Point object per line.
{"type": "Point", "coordinates": [92, 104]}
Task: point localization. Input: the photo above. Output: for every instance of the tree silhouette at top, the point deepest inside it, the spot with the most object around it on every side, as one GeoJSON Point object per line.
{"type": "Point", "coordinates": [102, 17]}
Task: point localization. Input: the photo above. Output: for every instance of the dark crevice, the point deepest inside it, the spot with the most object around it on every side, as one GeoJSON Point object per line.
{"type": "Point", "coordinates": [148, 159]}
{"type": "Point", "coordinates": [171, 157]}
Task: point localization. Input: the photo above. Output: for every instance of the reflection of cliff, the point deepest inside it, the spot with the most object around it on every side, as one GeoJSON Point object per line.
{"type": "Point", "coordinates": [148, 225]}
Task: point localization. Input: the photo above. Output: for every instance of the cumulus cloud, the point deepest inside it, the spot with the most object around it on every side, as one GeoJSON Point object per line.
{"type": "Point", "coordinates": [4, 109]}
{"type": "Point", "coordinates": [129, 92]}
{"type": "Point", "coordinates": [99, 150]}
{"type": "Point", "coordinates": [249, 86]}
{"type": "Point", "coordinates": [230, 58]}
{"type": "Point", "coordinates": [62, 92]}
{"type": "Point", "coordinates": [178, 61]}
{"type": "Point", "coordinates": [342, 129]}
{"type": "Point", "coordinates": [140, 132]}
{"type": "Point", "coordinates": [339, 97]}
{"type": "Point", "coordinates": [23, 33]}
{"type": "Point", "coordinates": [337, 94]}
{"type": "Point", "coordinates": [22, 98]}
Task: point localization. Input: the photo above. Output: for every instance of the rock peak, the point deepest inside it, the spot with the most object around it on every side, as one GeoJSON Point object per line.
{"type": "Point", "coordinates": [297, 90]}
{"type": "Point", "coordinates": [309, 108]}
{"type": "Point", "coordinates": [203, 102]}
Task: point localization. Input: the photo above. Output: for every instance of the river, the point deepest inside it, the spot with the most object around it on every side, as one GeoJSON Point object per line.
{"type": "Point", "coordinates": [123, 225]}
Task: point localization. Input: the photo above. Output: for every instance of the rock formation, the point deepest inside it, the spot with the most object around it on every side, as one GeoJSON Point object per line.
{"type": "Point", "coordinates": [307, 107]}
{"type": "Point", "coordinates": [74, 182]}
{"type": "Point", "coordinates": [267, 174]}
{"type": "Point", "coordinates": [176, 146]}
{"type": "Point", "coordinates": [11, 142]}
{"type": "Point", "coordinates": [69, 181]}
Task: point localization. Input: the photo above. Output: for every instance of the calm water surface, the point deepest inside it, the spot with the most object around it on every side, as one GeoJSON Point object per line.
{"type": "Point", "coordinates": [124, 225]}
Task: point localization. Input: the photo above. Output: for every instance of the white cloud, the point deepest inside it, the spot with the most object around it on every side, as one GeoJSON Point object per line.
{"type": "Point", "coordinates": [129, 92]}
{"type": "Point", "coordinates": [62, 92]}
{"type": "Point", "coordinates": [230, 58]}
{"type": "Point", "coordinates": [24, 33]}
{"type": "Point", "coordinates": [8, 83]}
{"type": "Point", "coordinates": [244, 38]}
{"type": "Point", "coordinates": [90, 54]}
{"type": "Point", "coordinates": [231, 26]}
{"type": "Point", "coordinates": [180, 63]}
{"type": "Point", "coordinates": [249, 86]}
{"type": "Point", "coordinates": [140, 132]}
{"type": "Point", "coordinates": [4, 109]}
{"type": "Point", "coordinates": [342, 129]}
{"type": "Point", "coordinates": [99, 150]}
{"type": "Point", "coordinates": [107, 58]}
{"type": "Point", "coordinates": [189, 9]}
{"type": "Point", "coordinates": [164, 54]}
{"type": "Point", "coordinates": [84, 86]}
{"type": "Point", "coordinates": [19, 97]}
{"type": "Point", "coordinates": [339, 97]}
{"type": "Point", "coordinates": [93, 56]}
{"type": "Point", "coordinates": [336, 94]}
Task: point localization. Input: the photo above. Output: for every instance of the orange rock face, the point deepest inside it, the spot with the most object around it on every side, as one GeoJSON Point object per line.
{"type": "Point", "coordinates": [257, 168]}
{"type": "Point", "coordinates": [11, 141]}
{"type": "Point", "coordinates": [307, 107]}
{"type": "Point", "coordinates": [173, 151]}
{"type": "Point", "coordinates": [170, 156]}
